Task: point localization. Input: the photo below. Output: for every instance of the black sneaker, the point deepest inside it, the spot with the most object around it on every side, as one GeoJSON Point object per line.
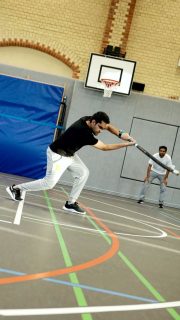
{"type": "Point", "coordinates": [161, 206]}
{"type": "Point", "coordinates": [140, 201]}
{"type": "Point", "coordinates": [73, 207]}
{"type": "Point", "coordinates": [15, 193]}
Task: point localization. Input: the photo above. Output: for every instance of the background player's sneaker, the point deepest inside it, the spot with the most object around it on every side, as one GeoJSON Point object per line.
{"type": "Point", "coordinates": [73, 207]}
{"type": "Point", "coordinates": [15, 193]}
{"type": "Point", "coordinates": [140, 201]}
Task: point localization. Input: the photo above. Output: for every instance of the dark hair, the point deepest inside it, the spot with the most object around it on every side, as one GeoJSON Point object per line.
{"type": "Point", "coordinates": [163, 147]}
{"type": "Point", "coordinates": [99, 117]}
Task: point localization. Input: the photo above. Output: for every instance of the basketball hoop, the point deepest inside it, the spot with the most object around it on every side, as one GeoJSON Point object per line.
{"type": "Point", "coordinates": [108, 85]}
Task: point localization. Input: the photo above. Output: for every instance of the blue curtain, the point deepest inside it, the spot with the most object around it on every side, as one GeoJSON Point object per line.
{"type": "Point", "coordinates": [28, 116]}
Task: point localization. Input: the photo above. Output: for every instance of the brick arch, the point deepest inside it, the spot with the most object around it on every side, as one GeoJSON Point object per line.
{"type": "Point", "coordinates": [126, 24]}
{"type": "Point", "coordinates": [127, 27]}
{"type": "Point", "coordinates": [109, 23]}
{"type": "Point", "coordinates": [46, 49]}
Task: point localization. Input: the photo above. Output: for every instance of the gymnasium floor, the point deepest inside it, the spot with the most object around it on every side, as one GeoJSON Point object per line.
{"type": "Point", "coordinates": [120, 257]}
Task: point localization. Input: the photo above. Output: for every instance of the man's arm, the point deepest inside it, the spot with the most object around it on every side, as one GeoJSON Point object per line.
{"type": "Point", "coordinates": [165, 180]}
{"type": "Point", "coordinates": [148, 172]}
{"type": "Point", "coordinates": [169, 164]}
{"type": "Point", "coordinates": [119, 133]}
{"type": "Point", "coordinates": [108, 147]}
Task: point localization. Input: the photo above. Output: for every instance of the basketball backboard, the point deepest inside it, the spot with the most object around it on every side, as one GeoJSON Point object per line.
{"type": "Point", "coordinates": [114, 68]}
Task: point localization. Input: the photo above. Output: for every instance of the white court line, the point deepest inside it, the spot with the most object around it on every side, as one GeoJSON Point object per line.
{"type": "Point", "coordinates": [150, 217]}
{"type": "Point", "coordinates": [162, 233]}
{"type": "Point", "coordinates": [5, 221]}
{"type": "Point", "coordinates": [132, 211]}
{"type": "Point", "coordinates": [80, 310]}
{"type": "Point", "coordinates": [18, 215]}
{"type": "Point", "coordinates": [73, 227]}
{"type": "Point", "coordinates": [104, 203]}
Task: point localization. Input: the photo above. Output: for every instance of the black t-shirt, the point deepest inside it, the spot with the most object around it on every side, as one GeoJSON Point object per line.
{"type": "Point", "coordinates": [74, 138]}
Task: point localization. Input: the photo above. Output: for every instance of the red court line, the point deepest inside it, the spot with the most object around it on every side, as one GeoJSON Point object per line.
{"type": "Point", "coordinates": [173, 233]}
{"type": "Point", "coordinates": [86, 265]}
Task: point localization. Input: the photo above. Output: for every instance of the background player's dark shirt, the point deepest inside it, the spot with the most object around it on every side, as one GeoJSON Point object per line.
{"type": "Point", "coordinates": [74, 138]}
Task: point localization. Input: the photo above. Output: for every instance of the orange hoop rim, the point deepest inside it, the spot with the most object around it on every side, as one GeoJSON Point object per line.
{"type": "Point", "coordinates": [109, 82]}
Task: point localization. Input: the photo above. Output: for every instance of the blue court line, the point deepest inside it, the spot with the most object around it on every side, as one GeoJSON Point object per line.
{"type": "Point", "coordinates": [70, 284]}
{"type": "Point", "coordinates": [52, 125]}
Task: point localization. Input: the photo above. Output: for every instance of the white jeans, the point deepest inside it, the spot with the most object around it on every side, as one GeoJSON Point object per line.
{"type": "Point", "coordinates": [56, 165]}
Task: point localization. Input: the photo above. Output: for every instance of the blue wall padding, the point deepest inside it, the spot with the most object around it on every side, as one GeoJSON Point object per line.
{"type": "Point", "coordinates": [28, 117]}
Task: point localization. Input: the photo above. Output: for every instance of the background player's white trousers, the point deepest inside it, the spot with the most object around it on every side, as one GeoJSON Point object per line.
{"type": "Point", "coordinates": [56, 165]}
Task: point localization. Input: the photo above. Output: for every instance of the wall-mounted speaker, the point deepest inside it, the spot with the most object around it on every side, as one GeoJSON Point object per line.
{"type": "Point", "coordinates": [137, 86]}
{"type": "Point", "coordinates": [114, 51]}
